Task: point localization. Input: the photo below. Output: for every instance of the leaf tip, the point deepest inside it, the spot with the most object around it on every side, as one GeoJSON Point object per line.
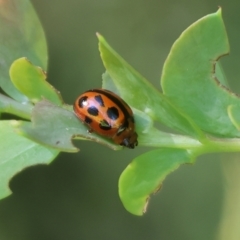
{"type": "Point", "coordinates": [219, 11]}
{"type": "Point", "coordinates": [144, 210]}
{"type": "Point", "coordinates": [99, 36]}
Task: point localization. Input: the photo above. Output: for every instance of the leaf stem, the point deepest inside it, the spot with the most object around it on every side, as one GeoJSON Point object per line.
{"type": "Point", "coordinates": [8, 105]}
{"type": "Point", "coordinates": [210, 144]}
{"type": "Point", "coordinates": [214, 144]}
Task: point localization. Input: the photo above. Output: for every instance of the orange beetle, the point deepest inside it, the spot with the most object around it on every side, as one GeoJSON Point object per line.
{"type": "Point", "coordinates": [108, 115]}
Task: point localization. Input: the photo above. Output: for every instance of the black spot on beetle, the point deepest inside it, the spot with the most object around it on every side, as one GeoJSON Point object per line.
{"type": "Point", "coordinates": [99, 99]}
{"type": "Point", "coordinates": [87, 120]}
{"type": "Point", "coordinates": [113, 113]}
{"type": "Point", "coordinates": [92, 111]}
{"type": "Point", "coordinates": [82, 101]}
{"type": "Point", "coordinates": [104, 125]}
{"type": "Point", "coordinates": [118, 101]}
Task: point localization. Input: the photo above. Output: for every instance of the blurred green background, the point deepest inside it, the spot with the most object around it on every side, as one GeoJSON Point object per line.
{"type": "Point", "coordinates": [76, 197]}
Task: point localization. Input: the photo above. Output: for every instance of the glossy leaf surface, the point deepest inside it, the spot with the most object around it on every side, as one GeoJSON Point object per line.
{"type": "Point", "coordinates": [145, 174]}
{"type": "Point", "coordinates": [140, 94]}
{"type": "Point", "coordinates": [189, 76]}
{"type": "Point", "coordinates": [31, 81]}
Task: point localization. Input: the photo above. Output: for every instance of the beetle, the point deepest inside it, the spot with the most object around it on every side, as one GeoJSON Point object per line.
{"type": "Point", "coordinates": [108, 115]}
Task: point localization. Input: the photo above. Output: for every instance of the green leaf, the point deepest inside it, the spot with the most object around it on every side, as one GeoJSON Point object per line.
{"type": "Point", "coordinates": [8, 105]}
{"type": "Point", "coordinates": [155, 138]}
{"type": "Point", "coordinates": [31, 81]}
{"type": "Point", "coordinates": [189, 76]}
{"type": "Point", "coordinates": [220, 75]}
{"type": "Point", "coordinates": [21, 35]}
{"type": "Point", "coordinates": [55, 127]}
{"type": "Point", "coordinates": [140, 94]}
{"type": "Point", "coordinates": [17, 153]}
{"type": "Point", "coordinates": [145, 174]}
{"type": "Point", "coordinates": [234, 115]}
{"type": "Point", "coordinates": [149, 135]}
{"type": "Point", "coordinates": [108, 83]}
